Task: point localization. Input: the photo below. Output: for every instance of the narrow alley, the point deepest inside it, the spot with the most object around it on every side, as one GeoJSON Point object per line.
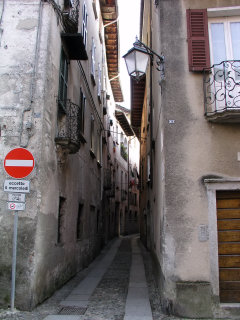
{"type": "Point", "coordinates": [113, 287]}
{"type": "Point", "coordinates": [119, 159]}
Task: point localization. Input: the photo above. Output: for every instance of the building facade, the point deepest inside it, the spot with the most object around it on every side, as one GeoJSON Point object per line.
{"type": "Point", "coordinates": [56, 98]}
{"type": "Point", "coordinates": [188, 128]}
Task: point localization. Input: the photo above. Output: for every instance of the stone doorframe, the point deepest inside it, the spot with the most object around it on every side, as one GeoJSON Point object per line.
{"type": "Point", "coordinates": [212, 186]}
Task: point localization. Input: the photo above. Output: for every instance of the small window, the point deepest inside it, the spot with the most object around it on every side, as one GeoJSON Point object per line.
{"type": "Point", "coordinates": [99, 221]}
{"type": "Point", "coordinates": [80, 222]}
{"type": "Point", "coordinates": [148, 168]}
{"type": "Point", "coordinates": [63, 81]}
{"type": "Point", "coordinates": [99, 89]}
{"type": "Point", "coordinates": [135, 216]}
{"type": "Point", "coordinates": [117, 134]}
{"type": "Point", "coordinates": [93, 219]}
{"type": "Point", "coordinates": [61, 214]}
{"type": "Point", "coordinates": [84, 24]}
{"type": "Point", "coordinates": [99, 144]}
{"type": "Point", "coordinates": [93, 53]}
{"type": "Point", "coordinates": [92, 133]}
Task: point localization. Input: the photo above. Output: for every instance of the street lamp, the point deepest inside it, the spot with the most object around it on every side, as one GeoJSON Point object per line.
{"type": "Point", "coordinates": [137, 58]}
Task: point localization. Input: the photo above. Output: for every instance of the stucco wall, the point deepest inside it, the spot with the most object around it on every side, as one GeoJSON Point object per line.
{"type": "Point", "coordinates": [30, 59]}
{"type": "Point", "coordinates": [188, 148]}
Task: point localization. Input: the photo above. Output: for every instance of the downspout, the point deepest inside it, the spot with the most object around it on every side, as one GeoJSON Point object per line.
{"type": "Point", "coordinates": [151, 105]}
{"type": "Point", "coordinates": [25, 129]}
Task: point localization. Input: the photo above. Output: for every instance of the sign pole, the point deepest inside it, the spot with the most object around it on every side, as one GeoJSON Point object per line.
{"type": "Point", "coordinates": [14, 259]}
{"type": "Point", "coordinates": [18, 164]}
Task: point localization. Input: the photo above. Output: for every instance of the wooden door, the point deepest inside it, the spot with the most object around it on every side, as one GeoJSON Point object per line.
{"type": "Point", "coordinates": [228, 220]}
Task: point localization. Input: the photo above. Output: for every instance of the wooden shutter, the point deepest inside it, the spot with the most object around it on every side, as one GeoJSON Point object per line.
{"type": "Point", "coordinates": [198, 41]}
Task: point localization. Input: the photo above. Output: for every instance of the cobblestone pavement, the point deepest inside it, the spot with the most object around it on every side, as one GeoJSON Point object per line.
{"type": "Point", "coordinates": [112, 290]}
{"type": "Point", "coordinates": [108, 299]}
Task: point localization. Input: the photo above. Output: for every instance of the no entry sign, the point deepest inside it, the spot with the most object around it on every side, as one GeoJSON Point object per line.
{"type": "Point", "coordinates": [19, 163]}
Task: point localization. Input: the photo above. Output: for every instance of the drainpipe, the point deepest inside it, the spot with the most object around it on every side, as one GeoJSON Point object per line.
{"type": "Point", "coordinates": [151, 104]}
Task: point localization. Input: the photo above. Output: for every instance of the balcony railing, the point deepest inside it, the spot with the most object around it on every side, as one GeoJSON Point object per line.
{"type": "Point", "coordinates": [69, 127]}
{"type": "Point", "coordinates": [70, 15]}
{"type": "Point", "coordinates": [222, 91]}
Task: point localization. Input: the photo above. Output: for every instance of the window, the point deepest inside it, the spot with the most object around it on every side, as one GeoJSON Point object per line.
{"type": "Point", "coordinates": [99, 144]}
{"type": "Point", "coordinates": [93, 219]}
{"type": "Point", "coordinates": [117, 134]}
{"type": "Point", "coordinates": [82, 105]}
{"type": "Point", "coordinates": [224, 36]}
{"type": "Point", "coordinates": [99, 88]}
{"type": "Point", "coordinates": [80, 222]}
{"type": "Point", "coordinates": [84, 24]}
{"type": "Point", "coordinates": [63, 81]}
{"type": "Point", "coordinates": [61, 213]}
{"type": "Point", "coordinates": [148, 168]}
{"type": "Point", "coordinates": [93, 60]}
{"type": "Point", "coordinates": [92, 142]}
{"type": "Point", "coordinates": [221, 81]}
{"type": "Point", "coordinates": [99, 221]}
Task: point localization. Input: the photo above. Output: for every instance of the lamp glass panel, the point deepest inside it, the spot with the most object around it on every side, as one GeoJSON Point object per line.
{"type": "Point", "coordinates": [141, 62]}
{"type": "Point", "coordinates": [130, 62]}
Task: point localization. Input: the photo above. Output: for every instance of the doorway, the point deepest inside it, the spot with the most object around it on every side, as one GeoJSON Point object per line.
{"type": "Point", "coordinates": [228, 225]}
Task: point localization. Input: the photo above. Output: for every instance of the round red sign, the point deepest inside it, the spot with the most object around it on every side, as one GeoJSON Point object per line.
{"type": "Point", "coordinates": [19, 163]}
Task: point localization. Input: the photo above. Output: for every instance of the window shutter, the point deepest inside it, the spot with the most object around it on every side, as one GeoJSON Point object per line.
{"type": "Point", "coordinates": [198, 41]}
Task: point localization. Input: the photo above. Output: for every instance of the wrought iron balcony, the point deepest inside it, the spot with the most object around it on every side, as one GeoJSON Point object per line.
{"type": "Point", "coordinates": [70, 15]}
{"type": "Point", "coordinates": [221, 85]}
{"type": "Point", "coordinates": [69, 127]}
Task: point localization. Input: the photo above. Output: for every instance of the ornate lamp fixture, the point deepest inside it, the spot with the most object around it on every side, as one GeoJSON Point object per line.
{"type": "Point", "coordinates": [137, 58]}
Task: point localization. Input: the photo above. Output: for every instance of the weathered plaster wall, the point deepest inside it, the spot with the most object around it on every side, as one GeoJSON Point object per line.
{"type": "Point", "coordinates": [193, 148]}
{"type": "Point", "coordinates": [20, 119]}
{"type": "Point", "coordinates": [29, 76]}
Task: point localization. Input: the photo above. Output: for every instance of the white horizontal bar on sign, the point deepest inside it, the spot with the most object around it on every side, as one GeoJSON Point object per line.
{"type": "Point", "coordinates": [19, 163]}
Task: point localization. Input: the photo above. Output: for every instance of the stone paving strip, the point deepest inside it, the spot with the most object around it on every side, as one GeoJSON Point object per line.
{"type": "Point", "coordinates": [109, 298]}
{"type": "Point", "coordinates": [137, 304]}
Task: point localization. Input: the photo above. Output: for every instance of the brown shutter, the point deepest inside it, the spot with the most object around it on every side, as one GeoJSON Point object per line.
{"type": "Point", "coordinates": [198, 42]}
